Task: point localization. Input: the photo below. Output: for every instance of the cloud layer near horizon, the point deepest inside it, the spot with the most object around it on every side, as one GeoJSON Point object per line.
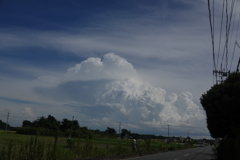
{"type": "Point", "coordinates": [110, 89]}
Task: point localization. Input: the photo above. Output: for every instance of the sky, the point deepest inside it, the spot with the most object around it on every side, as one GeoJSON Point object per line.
{"type": "Point", "coordinates": [142, 63]}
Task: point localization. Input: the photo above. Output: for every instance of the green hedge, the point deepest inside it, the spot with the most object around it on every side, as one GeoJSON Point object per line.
{"type": "Point", "coordinates": [79, 133]}
{"type": "Point", "coordinates": [37, 131]}
{"type": "Point", "coordinates": [229, 149]}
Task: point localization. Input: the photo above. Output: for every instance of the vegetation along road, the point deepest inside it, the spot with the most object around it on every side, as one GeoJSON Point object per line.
{"type": "Point", "coordinates": [199, 153]}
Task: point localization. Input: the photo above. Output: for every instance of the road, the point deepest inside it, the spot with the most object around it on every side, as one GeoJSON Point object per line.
{"type": "Point", "coordinates": [199, 153]}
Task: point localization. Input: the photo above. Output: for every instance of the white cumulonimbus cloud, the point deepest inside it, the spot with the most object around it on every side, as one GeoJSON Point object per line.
{"type": "Point", "coordinates": [111, 67]}
{"type": "Point", "coordinates": [111, 89]}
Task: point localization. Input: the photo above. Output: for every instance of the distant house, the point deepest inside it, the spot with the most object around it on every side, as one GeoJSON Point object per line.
{"type": "Point", "coordinates": [173, 140]}
{"type": "Point", "coordinates": [157, 139]}
{"type": "Point", "coordinates": [165, 140]}
{"type": "Point", "coordinates": [126, 136]}
{"type": "Point", "coordinates": [181, 139]}
{"type": "Point", "coordinates": [200, 141]}
{"type": "Point", "coordinates": [188, 139]}
{"type": "Point", "coordinates": [13, 128]}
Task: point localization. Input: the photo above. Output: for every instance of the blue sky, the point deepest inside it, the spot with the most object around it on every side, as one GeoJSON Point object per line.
{"type": "Point", "coordinates": [142, 63]}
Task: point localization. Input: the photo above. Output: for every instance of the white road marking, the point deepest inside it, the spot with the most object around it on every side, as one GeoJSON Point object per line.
{"type": "Point", "coordinates": [186, 155]}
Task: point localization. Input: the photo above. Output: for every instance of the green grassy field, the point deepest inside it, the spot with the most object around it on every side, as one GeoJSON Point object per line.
{"type": "Point", "coordinates": [17, 146]}
{"type": "Point", "coordinates": [18, 139]}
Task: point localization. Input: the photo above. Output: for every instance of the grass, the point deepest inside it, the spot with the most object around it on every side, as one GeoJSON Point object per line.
{"type": "Point", "coordinates": [2, 131]}
{"type": "Point", "coordinates": [24, 147]}
{"type": "Point", "coordinates": [5, 138]}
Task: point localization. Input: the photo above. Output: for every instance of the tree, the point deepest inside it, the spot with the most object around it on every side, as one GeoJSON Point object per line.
{"type": "Point", "coordinates": [110, 131]}
{"type": "Point", "coordinates": [125, 132]}
{"type": "Point", "coordinates": [221, 104]}
{"type": "Point", "coordinates": [26, 123]}
{"type": "Point", "coordinates": [68, 124]}
{"type": "Point", "coordinates": [50, 122]}
{"type": "Point", "coordinates": [97, 131]}
{"type": "Point", "coordinates": [3, 125]}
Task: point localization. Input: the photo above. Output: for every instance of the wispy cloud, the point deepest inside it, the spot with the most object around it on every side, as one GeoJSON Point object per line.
{"type": "Point", "coordinates": [16, 100]}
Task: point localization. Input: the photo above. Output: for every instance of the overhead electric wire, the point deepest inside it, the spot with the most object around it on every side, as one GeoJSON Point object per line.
{"type": "Point", "coordinates": [213, 24]}
{"type": "Point", "coordinates": [231, 33]}
{"type": "Point", "coordinates": [226, 42]}
{"type": "Point", "coordinates": [213, 40]}
{"type": "Point", "coordinates": [220, 32]}
{"type": "Point", "coordinates": [229, 30]}
{"type": "Point", "coordinates": [228, 27]}
{"type": "Point", "coordinates": [234, 9]}
{"type": "Point", "coordinates": [212, 35]}
{"type": "Point", "coordinates": [223, 61]}
{"type": "Point", "coordinates": [236, 43]}
{"type": "Point", "coordinates": [226, 33]}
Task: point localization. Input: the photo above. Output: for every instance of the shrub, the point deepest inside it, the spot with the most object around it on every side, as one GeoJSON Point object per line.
{"type": "Point", "coordinates": [229, 149]}
{"type": "Point", "coordinates": [27, 130]}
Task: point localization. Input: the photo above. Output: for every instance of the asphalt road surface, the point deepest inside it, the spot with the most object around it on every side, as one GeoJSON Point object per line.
{"type": "Point", "coordinates": [199, 153]}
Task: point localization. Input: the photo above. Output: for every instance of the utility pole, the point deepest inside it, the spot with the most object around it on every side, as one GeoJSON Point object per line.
{"type": "Point", "coordinates": [168, 132]}
{"type": "Point", "coordinates": [71, 130]}
{"type": "Point", "coordinates": [7, 122]}
{"type": "Point", "coordinates": [237, 70]}
{"type": "Point", "coordinates": [119, 130]}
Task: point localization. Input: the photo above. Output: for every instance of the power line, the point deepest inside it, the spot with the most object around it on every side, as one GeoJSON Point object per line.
{"type": "Point", "coordinates": [221, 67]}
{"type": "Point", "coordinates": [228, 27]}
{"type": "Point", "coordinates": [238, 65]}
{"type": "Point", "coordinates": [234, 9]}
{"type": "Point", "coordinates": [236, 43]}
{"type": "Point", "coordinates": [220, 32]}
{"type": "Point", "coordinates": [212, 34]}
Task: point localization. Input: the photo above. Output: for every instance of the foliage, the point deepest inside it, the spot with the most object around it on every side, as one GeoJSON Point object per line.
{"type": "Point", "coordinates": [110, 131]}
{"type": "Point", "coordinates": [68, 124]}
{"type": "Point", "coordinates": [125, 132]}
{"type": "Point", "coordinates": [48, 125]}
{"type": "Point", "coordinates": [229, 149]}
{"type": "Point", "coordinates": [27, 130]}
{"type": "Point", "coordinates": [3, 125]}
{"type": "Point", "coordinates": [34, 149]}
{"type": "Point", "coordinates": [145, 136]}
{"type": "Point", "coordinates": [221, 104]}
{"type": "Point", "coordinates": [24, 147]}
{"type": "Point", "coordinates": [26, 123]}
{"type": "Point", "coordinates": [3, 131]}
{"type": "Point", "coordinates": [50, 122]}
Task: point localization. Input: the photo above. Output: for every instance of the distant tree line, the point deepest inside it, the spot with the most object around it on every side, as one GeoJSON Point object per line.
{"type": "Point", "coordinates": [50, 126]}
{"type": "Point", "coordinates": [3, 125]}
